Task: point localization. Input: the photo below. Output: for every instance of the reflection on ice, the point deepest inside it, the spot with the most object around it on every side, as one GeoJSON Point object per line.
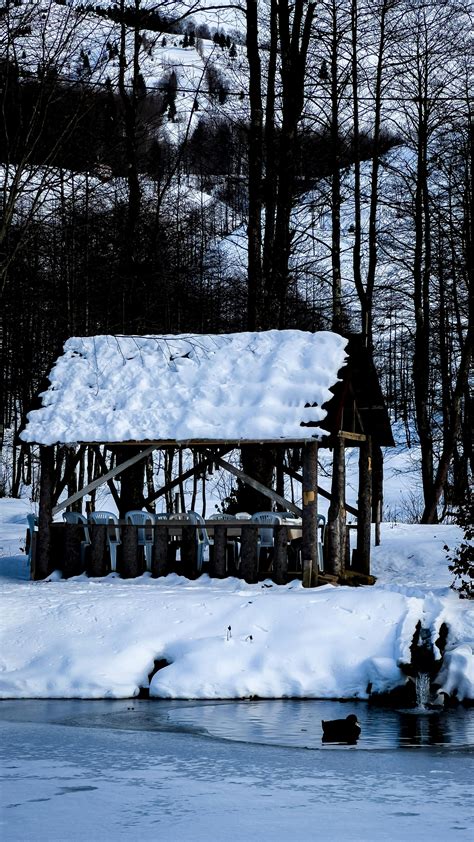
{"type": "Point", "coordinates": [298, 724]}
{"type": "Point", "coordinates": [284, 722]}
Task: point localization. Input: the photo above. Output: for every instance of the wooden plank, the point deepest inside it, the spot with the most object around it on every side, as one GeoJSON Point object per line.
{"type": "Point", "coordinates": [101, 480]}
{"type": "Point", "coordinates": [322, 491]}
{"type": "Point", "coordinates": [358, 437]}
{"type": "Point", "coordinates": [231, 444]}
{"type": "Point", "coordinates": [268, 492]}
{"type": "Point", "coordinates": [327, 579]}
{"type": "Point", "coordinates": [353, 577]}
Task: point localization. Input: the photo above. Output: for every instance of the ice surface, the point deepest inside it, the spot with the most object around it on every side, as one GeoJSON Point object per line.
{"type": "Point", "coordinates": [75, 773]}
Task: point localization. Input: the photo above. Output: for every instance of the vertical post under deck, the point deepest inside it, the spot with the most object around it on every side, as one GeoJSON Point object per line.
{"type": "Point", "coordinates": [310, 509]}
{"type": "Point", "coordinates": [336, 529]}
{"type": "Point", "coordinates": [131, 567]}
{"type": "Point", "coordinates": [72, 549]}
{"type": "Point", "coordinates": [44, 563]}
{"type": "Point", "coordinates": [362, 554]}
{"type": "Point", "coordinates": [249, 554]}
{"type": "Point", "coordinates": [159, 564]}
{"type": "Point", "coordinates": [280, 555]}
{"type": "Point", "coordinates": [219, 553]}
{"type": "Point", "coordinates": [98, 565]}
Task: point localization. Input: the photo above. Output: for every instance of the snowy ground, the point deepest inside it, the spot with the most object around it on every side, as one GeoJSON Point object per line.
{"type": "Point", "coordinates": [121, 769]}
{"type": "Point", "coordinates": [98, 638]}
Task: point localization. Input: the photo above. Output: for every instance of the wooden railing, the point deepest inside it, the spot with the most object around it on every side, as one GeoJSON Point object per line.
{"type": "Point", "coordinates": [250, 563]}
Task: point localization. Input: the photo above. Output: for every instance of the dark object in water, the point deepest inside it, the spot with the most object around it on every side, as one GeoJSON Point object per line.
{"type": "Point", "coordinates": [341, 730]}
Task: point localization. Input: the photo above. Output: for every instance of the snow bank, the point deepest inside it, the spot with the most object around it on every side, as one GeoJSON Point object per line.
{"type": "Point", "coordinates": [99, 638]}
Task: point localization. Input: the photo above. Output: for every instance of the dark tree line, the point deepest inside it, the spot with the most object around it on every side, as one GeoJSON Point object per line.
{"type": "Point", "coordinates": [103, 229]}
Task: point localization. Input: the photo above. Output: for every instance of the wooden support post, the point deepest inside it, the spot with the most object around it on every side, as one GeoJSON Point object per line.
{"type": "Point", "coordinates": [307, 572]}
{"type": "Point", "coordinates": [72, 550]}
{"type": "Point", "coordinates": [377, 489]}
{"type": "Point", "coordinates": [249, 554]}
{"type": "Point", "coordinates": [336, 528]}
{"type": "Point", "coordinates": [98, 566]}
{"type": "Point", "coordinates": [280, 555]}
{"type": "Point", "coordinates": [218, 566]}
{"type": "Point", "coordinates": [310, 508]}
{"type": "Point", "coordinates": [361, 558]}
{"type": "Point", "coordinates": [44, 564]}
{"type": "Point", "coordinates": [189, 552]}
{"type": "Point", "coordinates": [159, 563]}
{"type": "Point", "coordinates": [131, 565]}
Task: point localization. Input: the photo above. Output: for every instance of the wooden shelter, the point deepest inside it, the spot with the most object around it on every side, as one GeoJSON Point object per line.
{"type": "Point", "coordinates": [213, 394]}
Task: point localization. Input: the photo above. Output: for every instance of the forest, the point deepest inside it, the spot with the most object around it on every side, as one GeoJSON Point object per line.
{"type": "Point", "coordinates": [167, 167]}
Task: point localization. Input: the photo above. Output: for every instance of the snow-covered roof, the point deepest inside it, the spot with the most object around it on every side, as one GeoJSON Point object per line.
{"type": "Point", "coordinates": [266, 386]}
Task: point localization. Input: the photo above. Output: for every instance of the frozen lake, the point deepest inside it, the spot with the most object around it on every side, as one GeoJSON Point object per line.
{"type": "Point", "coordinates": [129, 770]}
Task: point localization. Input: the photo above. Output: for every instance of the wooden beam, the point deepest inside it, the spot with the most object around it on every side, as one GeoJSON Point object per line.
{"type": "Point", "coordinates": [345, 434]}
{"type": "Point", "coordinates": [268, 492]}
{"type": "Point", "coordinates": [231, 444]}
{"type": "Point", "coordinates": [101, 480]}
{"type": "Point", "coordinates": [322, 491]}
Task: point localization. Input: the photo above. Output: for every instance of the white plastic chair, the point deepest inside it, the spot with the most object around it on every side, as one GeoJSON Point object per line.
{"type": "Point", "coordinates": [233, 542]}
{"type": "Point", "coordinates": [266, 535]}
{"type": "Point", "coordinates": [321, 526]}
{"type": "Point", "coordinates": [145, 537]}
{"type": "Point", "coordinates": [202, 538]}
{"type": "Point", "coordinates": [78, 518]}
{"type": "Point", "coordinates": [32, 526]}
{"type": "Point", "coordinates": [113, 533]}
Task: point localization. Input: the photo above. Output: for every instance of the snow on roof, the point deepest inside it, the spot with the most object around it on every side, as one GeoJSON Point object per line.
{"type": "Point", "coordinates": [189, 387]}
